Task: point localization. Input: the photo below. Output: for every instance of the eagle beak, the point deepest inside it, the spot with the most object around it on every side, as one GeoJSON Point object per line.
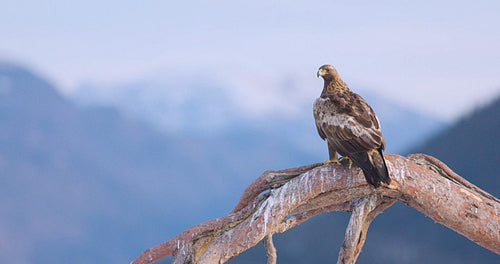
{"type": "Point", "coordinates": [319, 73]}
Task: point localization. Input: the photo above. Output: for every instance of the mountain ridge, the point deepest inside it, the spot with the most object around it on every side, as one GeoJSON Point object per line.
{"type": "Point", "coordinates": [72, 175]}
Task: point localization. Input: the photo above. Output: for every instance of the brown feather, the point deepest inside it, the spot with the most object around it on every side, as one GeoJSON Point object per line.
{"type": "Point", "coordinates": [350, 126]}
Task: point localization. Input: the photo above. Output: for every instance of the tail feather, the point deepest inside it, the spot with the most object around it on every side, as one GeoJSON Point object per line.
{"type": "Point", "coordinates": [373, 165]}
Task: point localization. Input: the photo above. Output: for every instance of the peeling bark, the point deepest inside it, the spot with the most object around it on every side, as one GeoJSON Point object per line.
{"type": "Point", "coordinates": [294, 195]}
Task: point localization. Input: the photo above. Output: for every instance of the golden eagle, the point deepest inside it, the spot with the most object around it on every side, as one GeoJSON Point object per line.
{"type": "Point", "coordinates": [350, 127]}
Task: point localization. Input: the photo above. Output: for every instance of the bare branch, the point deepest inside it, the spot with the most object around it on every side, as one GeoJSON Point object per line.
{"type": "Point", "coordinates": [270, 249]}
{"type": "Point", "coordinates": [294, 195]}
{"type": "Point", "coordinates": [270, 179]}
{"type": "Point", "coordinates": [364, 211]}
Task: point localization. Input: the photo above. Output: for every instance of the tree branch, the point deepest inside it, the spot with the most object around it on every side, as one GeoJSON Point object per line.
{"type": "Point", "coordinates": [270, 249]}
{"type": "Point", "coordinates": [364, 211]}
{"type": "Point", "coordinates": [280, 200]}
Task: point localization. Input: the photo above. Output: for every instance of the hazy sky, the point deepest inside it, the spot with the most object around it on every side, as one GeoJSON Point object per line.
{"type": "Point", "coordinates": [442, 57]}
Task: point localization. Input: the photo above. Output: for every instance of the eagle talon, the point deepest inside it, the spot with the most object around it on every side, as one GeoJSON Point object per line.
{"type": "Point", "coordinates": [332, 161]}
{"type": "Point", "coordinates": [347, 159]}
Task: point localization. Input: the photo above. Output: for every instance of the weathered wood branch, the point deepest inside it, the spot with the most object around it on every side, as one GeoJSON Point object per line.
{"type": "Point", "coordinates": [270, 249]}
{"type": "Point", "coordinates": [280, 200]}
{"type": "Point", "coordinates": [363, 212]}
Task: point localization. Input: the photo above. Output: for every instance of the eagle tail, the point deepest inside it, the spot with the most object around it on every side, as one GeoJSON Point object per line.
{"type": "Point", "coordinates": [373, 165]}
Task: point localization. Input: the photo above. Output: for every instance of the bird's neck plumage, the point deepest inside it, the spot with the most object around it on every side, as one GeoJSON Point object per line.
{"type": "Point", "coordinates": [334, 85]}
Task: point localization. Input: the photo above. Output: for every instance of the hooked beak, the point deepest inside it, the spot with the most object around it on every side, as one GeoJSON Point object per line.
{"type": "Point", "coordinates": [319, 73]}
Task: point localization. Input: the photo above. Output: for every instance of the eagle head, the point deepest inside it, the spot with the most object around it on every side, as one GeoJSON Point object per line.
{"type": "Point", "coordinates": [327, 71]}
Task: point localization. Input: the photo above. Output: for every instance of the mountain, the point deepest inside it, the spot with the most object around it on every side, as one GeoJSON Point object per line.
{"type": "Point", "coordinates": [471, 147]}
{"type": "Point", "coordinates": [99, 185]}
{"type": "Point", "coordinates": [65, 179]}
{"type": "Point", "coordinates": [89, 185]}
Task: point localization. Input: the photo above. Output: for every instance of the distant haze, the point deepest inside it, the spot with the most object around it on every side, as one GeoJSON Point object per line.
{"type": "Point", "coordinates": [76, 181]}
{"type": "Point", "coordinates": [180, 105]}
{"type": "Point", "coordinates": [441, 58]}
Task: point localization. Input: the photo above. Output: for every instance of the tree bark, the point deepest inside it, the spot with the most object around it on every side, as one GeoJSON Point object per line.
{"type": "Point", "coordinates": [280, 200]}
{"type": "Point", "coordinates": [364, 211]}
{"type": "Point", "coordinates": [270, 249]}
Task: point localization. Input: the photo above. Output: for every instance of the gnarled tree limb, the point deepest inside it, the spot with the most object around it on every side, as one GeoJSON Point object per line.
{"type": "Point", "coordinates": [364, 211]}
{"type": "Point", "coordinates": [270, 249]}
{"type": "Point", "coordinates": [294, 195]}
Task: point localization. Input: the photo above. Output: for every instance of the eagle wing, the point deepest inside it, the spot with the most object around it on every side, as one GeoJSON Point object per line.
{"type": "Point", "coordinates": [348, 123]}
{"type": "Point", "coordinates": [319, 127]}
{"type": "Point", "coordinates": [351, 127]}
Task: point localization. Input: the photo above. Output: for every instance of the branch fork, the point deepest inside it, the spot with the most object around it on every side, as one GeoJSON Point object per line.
{"type": "Point", "coordinates": [280, 200]}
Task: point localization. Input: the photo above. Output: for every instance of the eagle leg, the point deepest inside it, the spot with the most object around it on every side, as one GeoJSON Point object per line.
{"type": "Point", "coordinates": [333, 157]}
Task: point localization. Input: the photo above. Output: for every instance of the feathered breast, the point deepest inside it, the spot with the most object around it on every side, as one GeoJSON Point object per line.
{"type": "Point", "coordinates": [348, 128]}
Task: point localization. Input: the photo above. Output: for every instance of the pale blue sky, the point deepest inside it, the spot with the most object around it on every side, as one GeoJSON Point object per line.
{"type": "Point", "coordinates": [442, 57]}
